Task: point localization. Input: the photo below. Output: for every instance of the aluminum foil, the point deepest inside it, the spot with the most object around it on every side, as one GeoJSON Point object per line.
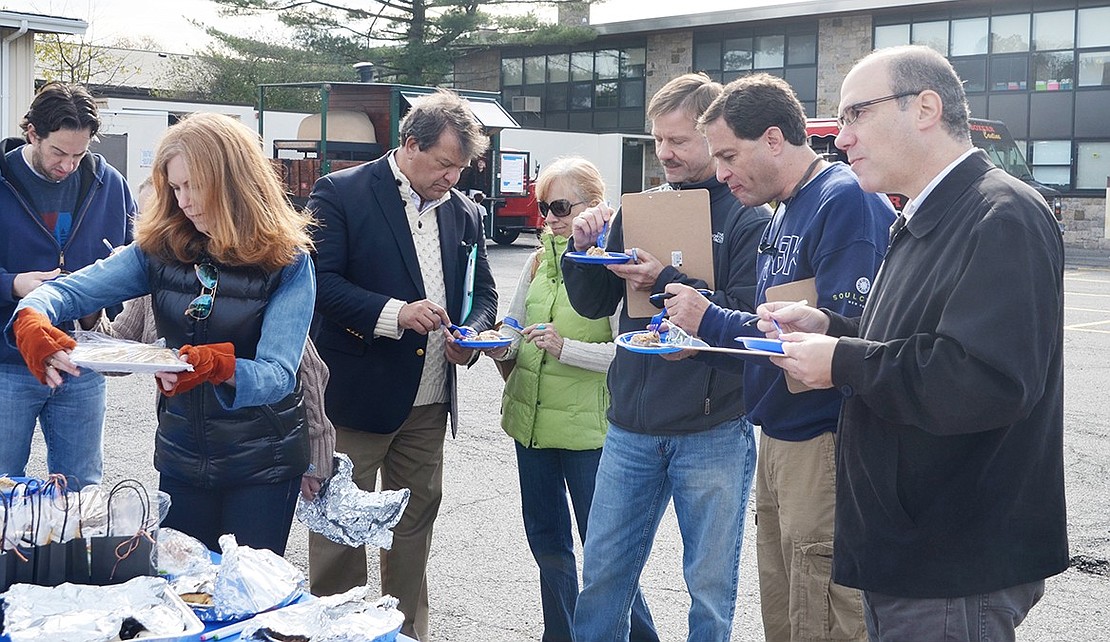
{"type": "Point", "coordinates": [91, 613]}
{"type": "Point", "coordinates": [355, 616]}
{"type": "Point", "coordinates": [186, 562]}
{"type": "Point", "coordinates": [250, 581]}
{"type": "Point", "coordinates": [346, 514]}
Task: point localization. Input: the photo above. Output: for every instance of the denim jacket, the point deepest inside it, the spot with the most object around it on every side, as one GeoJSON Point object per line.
{"type": "Point", "coordinates": [266, 379]}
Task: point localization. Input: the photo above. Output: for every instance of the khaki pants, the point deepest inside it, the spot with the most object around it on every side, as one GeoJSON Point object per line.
{"type": "Point", "coordinates": [411, 457]}
{"type": "Point", "coordinates": [795, 498]}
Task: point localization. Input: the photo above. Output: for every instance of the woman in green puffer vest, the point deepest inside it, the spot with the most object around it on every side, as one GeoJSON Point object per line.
{"type": "Point", "coordinates": [555, 394]}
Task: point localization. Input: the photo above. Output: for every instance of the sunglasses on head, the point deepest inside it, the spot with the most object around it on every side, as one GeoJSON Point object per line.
{"type": "Point", "coordinates": [560, 207]}
{"type": "Point", "coordinates": [209, 277]}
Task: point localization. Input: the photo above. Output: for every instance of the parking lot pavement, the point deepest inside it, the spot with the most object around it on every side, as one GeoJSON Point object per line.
{"type": "Point", "coordinates": [484, 584]}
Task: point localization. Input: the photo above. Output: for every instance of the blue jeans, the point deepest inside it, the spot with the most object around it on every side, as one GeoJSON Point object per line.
{"type": "Point", "coordinates": [709, 475]}
{"type": "Point", "coordinates": [259, 515]}
{"type": "Point", "coordinates": [71, 417]}
{"type": "Point", "coordinates": [546, 475]}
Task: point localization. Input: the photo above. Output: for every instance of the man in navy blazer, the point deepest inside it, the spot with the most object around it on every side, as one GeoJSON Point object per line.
{"type": "Point", "coordinates": [401, 255]}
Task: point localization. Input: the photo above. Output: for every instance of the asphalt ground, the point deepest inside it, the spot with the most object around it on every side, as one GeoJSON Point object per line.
{"type": "Point", "coordinates": [484, 585]}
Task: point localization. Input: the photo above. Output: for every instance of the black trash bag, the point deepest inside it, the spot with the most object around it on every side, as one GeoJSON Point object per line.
{"type": "Point", "coordinates": [114, 559]}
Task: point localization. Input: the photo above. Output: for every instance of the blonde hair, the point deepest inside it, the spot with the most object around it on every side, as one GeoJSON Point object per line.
{"type": "Point", "coordinates": [250, 221]}
{"type": "Point", "coordinates": [580, 174]}
{"type": "Point", "coordinates": [690, 93]}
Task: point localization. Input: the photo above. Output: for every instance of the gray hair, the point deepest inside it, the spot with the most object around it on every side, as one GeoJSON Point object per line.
{"type": "Point", "coordinates": [915, 68]}
{"type": "Point", "coordinates": [440, 111]}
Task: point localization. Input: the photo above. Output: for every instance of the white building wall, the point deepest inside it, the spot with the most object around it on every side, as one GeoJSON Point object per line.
{"type": "Point", "coordinates": [603, 150]}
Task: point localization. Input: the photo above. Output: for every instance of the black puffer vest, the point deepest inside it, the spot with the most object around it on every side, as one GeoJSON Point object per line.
{"type": "Point", "coordinates": [198, 441]}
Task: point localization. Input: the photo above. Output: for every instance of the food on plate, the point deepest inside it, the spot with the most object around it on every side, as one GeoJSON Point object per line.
{"type": "Point", "coordinates": [130, 353]}
{"type": "Point", "coordinates": [645, 339]}
{"type": "Point", "coordinates": [488, 335]}
{"type": "Point", "coordinates": [196, 599]}
{"type": "Point", "coordinates": [596, 251]}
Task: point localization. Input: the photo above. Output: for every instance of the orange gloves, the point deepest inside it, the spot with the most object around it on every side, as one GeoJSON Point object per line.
{"type": "Point", "coordinates": [37, 339]}
{"type": "Point", "coordinates": [214, 362]}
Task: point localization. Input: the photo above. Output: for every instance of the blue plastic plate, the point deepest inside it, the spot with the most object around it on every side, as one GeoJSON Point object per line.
{"type": "Point", "coordinates": [476, 343]}
{"type": "Point", "coordinates": [609, 258]}
{"type": "Point", "coordinates": [762, 344]}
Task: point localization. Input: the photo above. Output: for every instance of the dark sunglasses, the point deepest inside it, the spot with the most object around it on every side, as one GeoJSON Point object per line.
{"type": "Point", "coordinates": [560, 207]}
{"type": "Point", "coordinates": [209, 277]}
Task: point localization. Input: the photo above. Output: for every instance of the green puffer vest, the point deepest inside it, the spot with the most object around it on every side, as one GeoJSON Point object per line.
{"type": "Point", "coordinates": [548, 404]}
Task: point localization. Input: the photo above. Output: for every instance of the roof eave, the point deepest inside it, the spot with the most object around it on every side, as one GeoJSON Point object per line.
{"type": "Point", "coordinates": [43, 24]}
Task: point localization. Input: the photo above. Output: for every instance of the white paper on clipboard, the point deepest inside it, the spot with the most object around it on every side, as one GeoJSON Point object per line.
{"type": "Point", "coordinates": [468, 283]}
{"type": "Point", "coordinates": [674, 226]}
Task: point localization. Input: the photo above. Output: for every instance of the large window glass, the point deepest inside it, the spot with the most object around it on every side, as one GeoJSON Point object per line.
{"type": "Point", "coordinates": [707, 56]}
{"type": "Point", "coordinates": [512, 71]}
{"type": "Point", "coordinates": [605, 95]}
{"type": "Point", "coordinates": [607, 64]}
{"type": "Point", "coordinates": [737, 54]}
{"type": "Point", "coordinates": [892, 36]}
{"type": "Point", "coordinates": [1094, 27]}
{"type": "Point", "coordinates": [633, 62]}
{"type": "Point", "coordinates": [558, 68]}
{"type": "Point", "coordinates": [1010, 34]}
{"type": "Point", "coordinates": [1053, 71]}
{"type": "Point", "coordinates": [1092, 165]}
{"type": "Point", "coordinates": [582, 65]}
{"type": "Point", "coordinates": [801, 50]}
{"type": "Point", "coordinates": [1051, 162]}
{"type": "Point", "coordinates": [1009, 73]}
{"type": "Point", "coordinates": [973, 71]}
{"type": "Point", "coordinates": [1053, 30]}
{"type": "Point", "coordinates": [970, 36]}
{"type": "Point", "coordinates": [932, 34]}
{"type": "Point", "coordinates": [535, 70]}
{"type": "Point", "coordinates": [1094, 68]}
{"type": "Point", "coordinates": [769, 51]}
{"type": "Point", "coordinates": [582, 95]}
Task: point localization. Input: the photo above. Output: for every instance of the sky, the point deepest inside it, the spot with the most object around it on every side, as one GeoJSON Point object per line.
{"type": "Point", "coordinates": [167, 22]}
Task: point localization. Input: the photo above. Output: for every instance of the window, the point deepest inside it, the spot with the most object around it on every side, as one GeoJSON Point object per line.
{"type": "Point", "coordinates": [535, 70]}
{"type": "Point", "coordinates": [737, 54]}
{"type": "Point", "coordinates": [1092, 165]}
{"type": "Point", "coordinates": [582, 95]}
{"type": "Point", "coordinates": [558, 68]}
{"type": "Point", "coordinates": [632, 93]}
{"type": "Point", "coordinates": [1094, 68]}
{"type": "Point", "coordinates": [973, 71]}
{"type": "Point", "coordinates": [1053, 30]}
{"type": "Point", "coordinates": [1051, 162]}
{"type": "Point", "coordinates": [605, 95]}
{"type": "Point", "coordinates": [769, 51]}
{"type": "Point", "coordinates": [707, 56]}
{"type": "Point", "coordinates": [607, 64]}
{"type": "Point", "coordinates": [892, 36]}
{"type": "Point", "coordinates": [633, 63]}
{"type": "Point", "coordinates": [1092, 27]}
{"type": "Point", "coordinates": [801, 50]}
{"type": "Point", "coordinates": [1053, 71]}
{"type": "Point", "coordinates": [1010, 34]}
{"type": "Point", "coordinates": [970, 37]}
{"type": "Point", "coordinates": [932, 34]}
{"type": "Point", "coordinates": [1009, 73]}
{"type": "Point", "coordinates": [582, 65]}
{"type": "Point", "coordinates": [512, 71]}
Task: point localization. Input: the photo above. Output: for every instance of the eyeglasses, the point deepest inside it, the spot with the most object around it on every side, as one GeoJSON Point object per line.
{"type": "Point", "coordinates": [209, 277]}
{"type": "Point", "coordinates": [852, 112]}
{"type": "Point", "coordinates": [560, 207]}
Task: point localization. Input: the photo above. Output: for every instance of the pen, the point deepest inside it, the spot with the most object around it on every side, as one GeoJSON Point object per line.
{"type": "Point", "coordinates": [108, 244]}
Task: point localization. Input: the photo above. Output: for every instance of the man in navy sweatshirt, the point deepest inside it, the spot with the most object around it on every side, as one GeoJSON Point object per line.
{"type": "Point", "coordinates": [60, 204]}
{"type": "Point", "coordinates": [826, 228]}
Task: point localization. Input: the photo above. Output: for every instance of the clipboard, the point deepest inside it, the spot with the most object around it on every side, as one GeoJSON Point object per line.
{"type": "Point", "coordinates": [468, 282]}
{"type": "Point", "coordinates": [794, 291]}
{"type": "Point", "coordinates": [675, 227]}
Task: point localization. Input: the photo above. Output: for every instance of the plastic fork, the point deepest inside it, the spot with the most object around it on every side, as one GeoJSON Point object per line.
{"type": "Point", "coordinates": [601, 237]}
{"type": "Point", "coordinates": [657, 320]}
{"type": "Point", "coordinates": [464, 330]}
{"type": "Point", "coordinates": [512, 323]}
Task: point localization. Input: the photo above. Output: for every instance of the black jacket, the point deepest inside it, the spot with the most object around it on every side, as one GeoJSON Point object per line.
{"type": "Point", "coordinates": [366, 256]}
{"type": "Point", "coordinates": [198, 441]}
{"type": "Point", "coordinates": [950, 468]}
{"type": "Point", "coordinates": [648, 393]}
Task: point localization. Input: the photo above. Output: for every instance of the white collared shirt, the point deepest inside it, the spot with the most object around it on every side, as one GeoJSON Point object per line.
{"type": "Point", "coordinates": [914, 204]}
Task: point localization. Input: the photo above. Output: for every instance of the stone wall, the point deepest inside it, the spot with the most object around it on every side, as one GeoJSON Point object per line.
{"type": "Point", "coordinates": [668, 55]}
{"type": "Point", "coordinates": [840, 43]}
{"type": "Point", "coordinates": [1085, 223]}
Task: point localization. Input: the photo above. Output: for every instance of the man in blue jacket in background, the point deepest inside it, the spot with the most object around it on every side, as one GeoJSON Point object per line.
{"type": "Point", "coordinates": [59, 203]}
